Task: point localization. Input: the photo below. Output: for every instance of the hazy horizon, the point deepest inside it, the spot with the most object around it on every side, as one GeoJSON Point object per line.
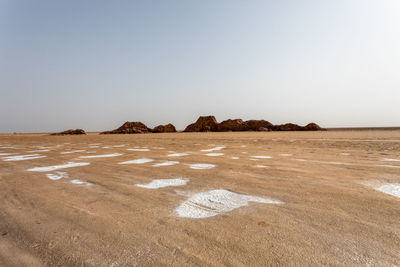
{"type": "Point", "coordinates": [96, 64]}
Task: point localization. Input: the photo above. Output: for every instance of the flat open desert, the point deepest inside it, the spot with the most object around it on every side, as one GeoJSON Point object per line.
{"type": "Point", "coordinates": [201, 199]}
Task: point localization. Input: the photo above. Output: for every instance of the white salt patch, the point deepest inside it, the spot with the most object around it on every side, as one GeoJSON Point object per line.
{"type": "Point", "coordinates": [390, 159]}
{"type": "Point", "coordinates": [72, 151]}
{"type": "Point", "coordinates": [79, 182]}
{"type": "Point", "coordinates": [215, 154]}
{"type": "Point", "coordinates": [23, 157]}
{"type": "Point", "coordinates": [215, 202]}
{"type": "Point", "coordinates": [57, 167]}
{"type": "Point", "coordinates": [41, 150]}
{"type": "Point", "coordinates": [235, 158]}
{"type": "Point", "coordinates": [166, 163]}
{"type": "Point", "coordinates": [7, 154]}
{"type": "Point", "coordinates": [345, 154]}
{"type": "Point", "coordinates": [261, 157]}
{"type": "Point", "coordinates": [137, 161]}
{"type": "Point", "coordinates": [261, 166]}
{"type": "Point", "coordinates": [202, 166]}
{"type": "Point", "coordinates": [391, 189]}
{"type": "Point", "coordinates": [213, 149]}
{"type": "Point", "coordinates": [102, 156]}
{"type": "Point", "coordinates": [160, 183]}
{"type": "Point", "coordinates": [389, 166]}
{"type": "Point", "coordinates": [327, 162]}
{"type": "Point", "coordinates": [178, 154]}
{"type": "Point", "coordinates": [138, 149]}
{"type": "Point", "coordinates": [285, 155]}
{"type": "Point", "coordinates": [244, 146]}
{"type": "Point", "coordinates": [57, 175]}
{"type": "Point", "coordinates": [93, 146]}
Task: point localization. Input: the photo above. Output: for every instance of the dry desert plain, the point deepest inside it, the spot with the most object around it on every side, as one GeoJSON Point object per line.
{"type": "Point", "coordinates": [259, 199]}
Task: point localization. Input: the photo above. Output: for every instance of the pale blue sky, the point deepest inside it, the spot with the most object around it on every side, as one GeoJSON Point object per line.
{"type": "Point", "coordinates": [96, 64]}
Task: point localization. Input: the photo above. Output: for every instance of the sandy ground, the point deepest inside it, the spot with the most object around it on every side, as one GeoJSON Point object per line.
{"type": "Point", "coordinates": [328, 210]}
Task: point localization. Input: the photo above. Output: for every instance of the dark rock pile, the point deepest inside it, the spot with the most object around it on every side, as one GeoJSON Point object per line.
{"type": "Point", "coordinates": [128, 127]}
{"type": "Point", "coordinates": [232, 125]}
{"type": "Point", "coordinates": [259, 125]}
{"type": "Point", "coordinates": [210, 124]}
{"type": "Point", "coordinates": [169, 128]}
{"type": "Point", "coordinates": [295, 127]}
{"type": "Point", "coordinates": [203, 124]}
{"type": "Point", "coordinates": [70, 132]}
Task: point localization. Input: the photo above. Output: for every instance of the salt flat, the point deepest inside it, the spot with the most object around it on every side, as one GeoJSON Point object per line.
{"type": "Point", "coordinates": [261, 199]}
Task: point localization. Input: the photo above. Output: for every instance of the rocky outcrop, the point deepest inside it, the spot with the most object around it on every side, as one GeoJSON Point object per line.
{"type": "Point", "coordinates": [207, 124]}
{"type": "Point", "coordinates": [232, 125]}
{"type": "Point", "coordinates": [295, 127]}
{"type": "Point", "coordinates": [240, 125]}
{"type": "Point", "coordinates": [169, 128]}
{"type": "Point", "coordinates": [70, 132]}
{"type": "Point", "coordinates": [210, 124]}
{"type": "Point", "coordinates": [312, 127]}
{"type": "Point", "coordinates": [203, 124]}
{"type": "Point", "coordinates": [259, 125]}
{"type": "Point", "coordinates": [287, 127]}
{"type": "Point", "coordinates": [128, 127]}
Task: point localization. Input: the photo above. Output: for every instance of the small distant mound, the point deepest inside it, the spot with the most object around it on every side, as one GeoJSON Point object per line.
{"type": "Point", "coordinates": [295, 127]}
{"type": "Point", "coordinates": [70, 132]}
{"type": "Point", "coordinates": [288, 127]}
{"type": "Point", "coordinates": [128, 127]}
{"type": "Point", "coordinates": [203, 124]}
{"type": "Point", "coordinates": [312, 127]}
{"type": "Point", "coordinates": [169, 128]}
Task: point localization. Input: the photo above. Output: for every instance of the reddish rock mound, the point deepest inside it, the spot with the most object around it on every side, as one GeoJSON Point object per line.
{"type": "Point", "coordinates": [128, 127]}
{"type": "Point", "coordinates": [210, 124]}
{"type": "Point", "coordinates": [287, 127]}
{"type": "Point", "coordinates": [70, 132]}
{"type": "Point", "coordinates": [259, 125]}
{"type": "Point", "coordinates": [169, 128]}
{"type": "Point", "coordinates": [203, 124]}
{"type": "Point", "coordinates": [295, 127]}
{"type": "Point", "coordinates": [232, 125]}
{"type": "Point", "coordinates": [312, 127]}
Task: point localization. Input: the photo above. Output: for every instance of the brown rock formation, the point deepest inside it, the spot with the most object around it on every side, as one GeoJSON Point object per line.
{"type": "Point", "coordinates": [259, 125]}
{"type": "Point", "coordinates": [312, 127]}
{"type": "Point", "coordinates": [130, 128]}
{"type": "Point", "coordinates": [287, 127]}
{"type": "Point", "coordinates": [169, 128]}
{"type": "Point", "coordinates": [70, 132]}
{"type": "Point", "coordinates": [210, 124]}
{"type": "Point", "coordinates": [203, 124]}
{"type": "Point", "coordinates": [233, 125]}
{"type": "Point", "coordinates": [295, 127]}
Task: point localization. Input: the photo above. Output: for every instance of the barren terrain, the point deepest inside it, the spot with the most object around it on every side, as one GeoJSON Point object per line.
{"type": "Point", "coordinates": [234, 199]}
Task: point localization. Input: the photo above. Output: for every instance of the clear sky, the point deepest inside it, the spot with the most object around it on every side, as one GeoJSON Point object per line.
{"type": "Point", "coordinates": [96, 64]}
